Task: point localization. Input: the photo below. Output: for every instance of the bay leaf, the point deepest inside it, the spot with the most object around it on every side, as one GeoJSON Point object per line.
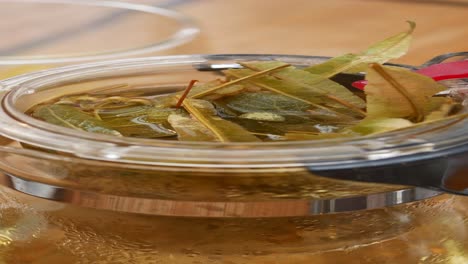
{"type": "Point", "coordinates": [263, 116]}
{"type": "Point", "coordinates": [196, 89]}
{"type": "Point", "coordinates": [260, 128]}
{"type": "Point", "coordinates": [224, 92]}
{"type": "Point", "coordinates": [132, 111]}
{"type": "Point", "coordinates": [152, 112]}
{"type": "Point", "coordinates": [266, 102]}
{"type": "Point", "coordinates": [394, 92]}
{"type": "Point", "coordinates": [238, 80]}
{"type": "Point", "coordinates": [116, 102]}
{"type": "Point", "coordinates": [202, 87]}
{"type": "Point", "coordinates": [301, 85]}
{"type": "Point", "coordinates": [189, 129]}
{"type": "Point", "coordinates": [170, 100]}
{"type": "Point", "coordinates": [160, 114]}
{"type": "Point", "coordinates": [311, 136]}
{"type": "Point", "coordinates": [379, 125]}
{"type": "Point", "coordinates": [268, 127]}
{"type": "Point", "coordinates": [165, 100]}
{"type": "Point", "coordinates": [444, 111]}
{"type": "Point", "coordinates": [223, 110]}
{"type": "Point", "coordinates": [141, 127]}
{"type": "Point", "coordinates": [321, 116]}
{"type": "Point", "coordinates": [224, 130]}
{"type": "Point", "coordinates": [72, 117]}
{"type": "Point", "coordinates": [140, 121]}
{"type": "Point", "coordinates": [381, 52]}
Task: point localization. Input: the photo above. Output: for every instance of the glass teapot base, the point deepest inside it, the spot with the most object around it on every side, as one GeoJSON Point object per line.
{"type": "Point", "coordinates": [35, 230]}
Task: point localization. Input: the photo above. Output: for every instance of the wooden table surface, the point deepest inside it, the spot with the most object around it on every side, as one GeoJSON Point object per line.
{"type": "Point", "coordinates": [326, 28]}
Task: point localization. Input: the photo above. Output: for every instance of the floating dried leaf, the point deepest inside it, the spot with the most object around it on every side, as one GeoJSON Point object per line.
{"type": "Point", "coordinates": [383, 51]}
{"type": "Point", "coordinates": [379, 125]}
{"type": "Point", "coordinates": [263, 116]}
{"type": "Point", "coordinates": [317, 136]}
{"type": "Point", "coordinates": [241, 79]}
{"type": "Point", "coordinates": [72, 117]}
{"type": "Point", "coordinates": [444, 111]}
{"type": "Point", "coordinates": [266, 102]}
{"type": "Point", "coordinates": [224, 130]}
{"type": "Point", "coordinates": [189, 129]}
{"type": "Point", "coordinates": [301, 85]}
{"type": "Point", "coordinates": [400, 93]}
{"type": "Point", "coordinates": [141, 127]}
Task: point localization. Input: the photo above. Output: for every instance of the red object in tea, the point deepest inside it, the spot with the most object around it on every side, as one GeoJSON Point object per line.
{"type": "Point", "coordinates": [438, 72]}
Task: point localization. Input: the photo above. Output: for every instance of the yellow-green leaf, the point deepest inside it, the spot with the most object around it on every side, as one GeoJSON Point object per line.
{"type": "Point", "coordinates": [139, 121]}
{"type": "Point", "coordinates": [311, 136]}
{"type": "Point", "coordinates": [394, 92]}
{"type": "Point", "coordinates": [224, 92]}
{"type": "Point", "coordinates": [263, 116]}
{"type": "Point", "coordinates": [301, 85]}
{"type": "Point", "coordinates": [140, 127]}
{"type": "Point", "coordinates": [132, 111]}
{"type": "Point", "coordinates": [381, 52]}
{"type": "Point", "coordinates": [371, 126]}
{"type": "Point", "coordinates": [224, 130]}
{"type": "Point", "coordinates": [266, 102]}
{"type": "Point", "coordinates": [189, 129]}
{"type": "Point", "coordinates": [238, 80]}
{"type": "Point", "coordinates": [71, 117]}
{"type": "Point", "coordinates": [443, 112]}
{"type": "Point", "coordinates": [199, 88]}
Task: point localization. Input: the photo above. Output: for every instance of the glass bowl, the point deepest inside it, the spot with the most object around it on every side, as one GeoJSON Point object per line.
{"type": "Point", "coordinates": [101, 198]}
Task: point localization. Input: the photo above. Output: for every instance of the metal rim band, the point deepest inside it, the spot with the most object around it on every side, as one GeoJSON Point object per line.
{"type": "Point", "coordinates": [241, 209]}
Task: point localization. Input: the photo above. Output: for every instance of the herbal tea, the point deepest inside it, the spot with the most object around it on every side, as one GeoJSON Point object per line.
{"type": "Point", "coordinates": [266, 101]}
{"type": "Point", "coordinates": [210, 206]}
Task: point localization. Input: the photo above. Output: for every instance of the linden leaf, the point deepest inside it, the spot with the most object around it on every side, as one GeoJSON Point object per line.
{"type": "Point", "coordinates": [381, 52]}
{"type": "Point", "coordinates": [71, 117]}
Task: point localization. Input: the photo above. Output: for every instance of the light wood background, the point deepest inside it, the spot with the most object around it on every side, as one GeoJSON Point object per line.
{"type": "Point", "coordinates": [329, 28]}
{"type": "Point", "coordinates": [308, 27]}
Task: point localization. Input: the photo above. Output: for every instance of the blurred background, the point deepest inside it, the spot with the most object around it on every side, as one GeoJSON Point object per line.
{"type": "Point", "coordinates": [326, 28]}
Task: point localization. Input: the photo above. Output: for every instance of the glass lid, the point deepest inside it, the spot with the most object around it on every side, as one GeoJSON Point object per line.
{"type": "Point", "coordinates": [58, 31]}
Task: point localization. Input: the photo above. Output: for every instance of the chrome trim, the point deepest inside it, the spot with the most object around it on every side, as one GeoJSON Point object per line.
{"type": "Point", "coordinates": [269, 208]}
{"type": "Point", "coordinates": [443, 57]}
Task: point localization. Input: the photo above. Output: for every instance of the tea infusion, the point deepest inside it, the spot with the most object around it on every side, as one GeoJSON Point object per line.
{"type": "Point", "coordinates": [267, 101]}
